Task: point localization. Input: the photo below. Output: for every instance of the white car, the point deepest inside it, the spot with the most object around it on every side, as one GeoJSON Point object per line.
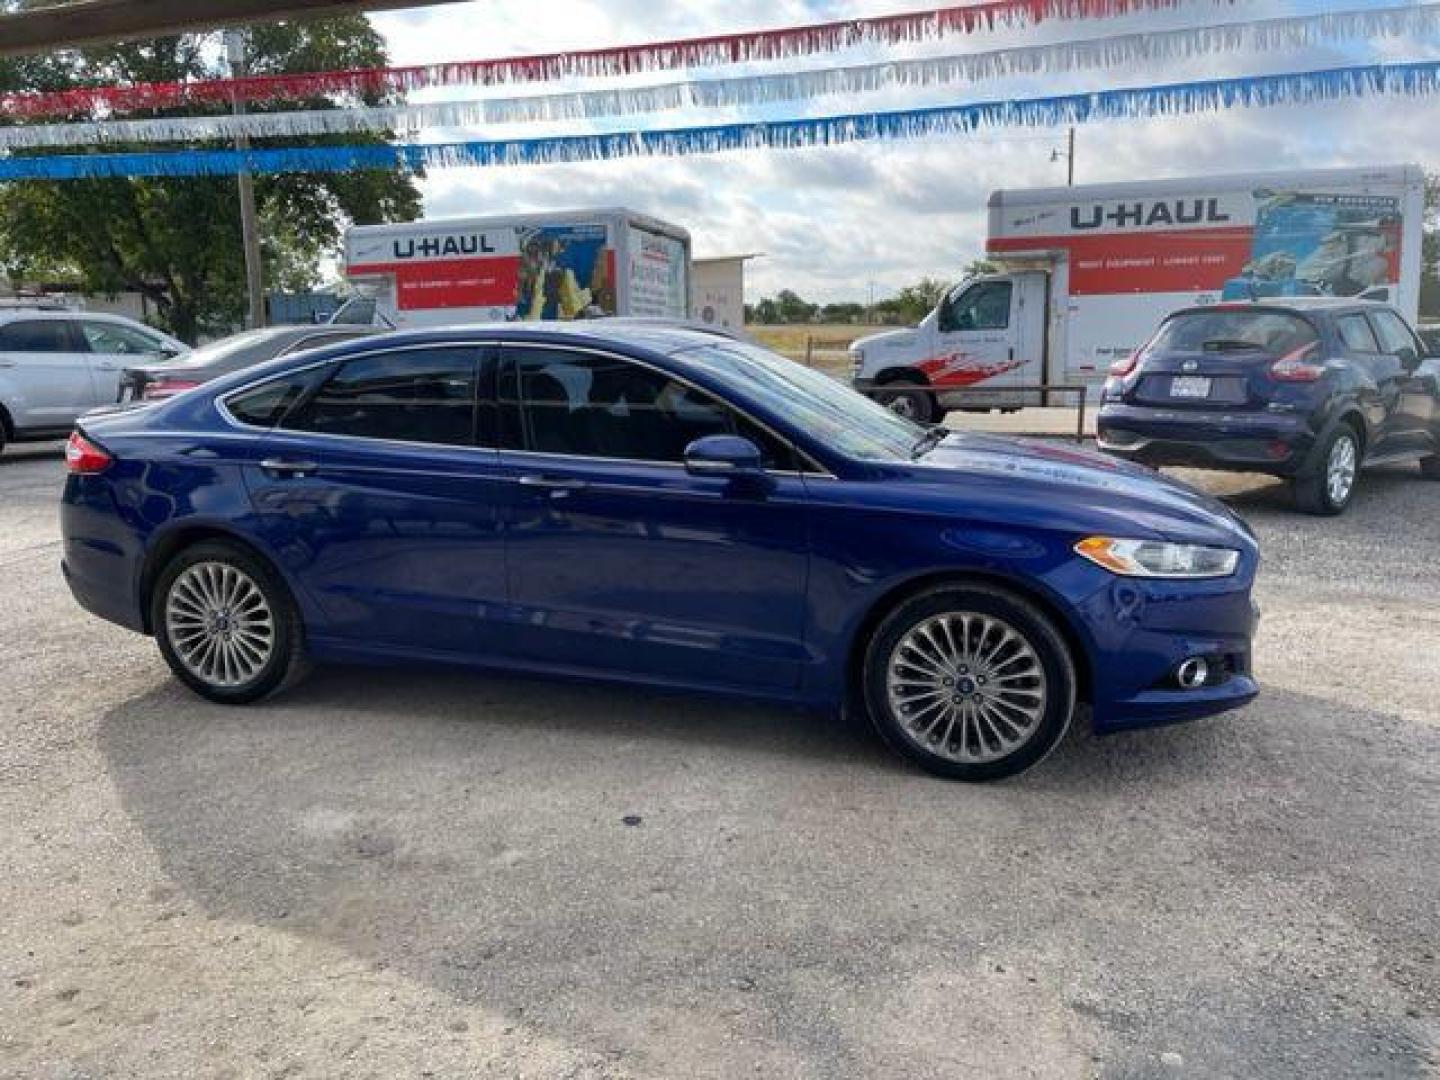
{"type": "Point", "coordinates": [56, 364]}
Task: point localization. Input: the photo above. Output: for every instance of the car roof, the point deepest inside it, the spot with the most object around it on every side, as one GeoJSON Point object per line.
{"type": "Point", "coordinates": [1298, 305]}
{"type": "Point", "coordinates": [658, 336]}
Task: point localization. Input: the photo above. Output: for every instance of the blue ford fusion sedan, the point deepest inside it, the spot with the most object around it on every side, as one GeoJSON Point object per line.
{"type": "Point", "coordinates": [660, 506]}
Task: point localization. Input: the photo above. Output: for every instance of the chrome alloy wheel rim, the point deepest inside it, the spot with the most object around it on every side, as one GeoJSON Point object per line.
{"type": "Point", "coordinates": [966, 686]}
{"type": "Point", "coordinates": [1340, 470]}
{"type": "Point", "coordinates": [220, 624]}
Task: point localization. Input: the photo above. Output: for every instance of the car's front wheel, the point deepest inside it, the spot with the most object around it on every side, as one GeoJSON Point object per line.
{"type": "Point", "coordinates": [970, 682]}
{"type": "Point", "coordinates": [1328, 490]}
{"type": "Point", "coordinates": [226, 624]}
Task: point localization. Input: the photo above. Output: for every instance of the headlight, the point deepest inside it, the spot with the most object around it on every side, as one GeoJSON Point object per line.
{"type": "Point", "coordinates": [857, 362]}
{"type": "Point", "coordinates": [1158, 559]}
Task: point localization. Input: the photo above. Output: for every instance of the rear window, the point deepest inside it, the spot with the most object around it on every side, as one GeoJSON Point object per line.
{"type": "Point", "coordinates": [1273, 332]}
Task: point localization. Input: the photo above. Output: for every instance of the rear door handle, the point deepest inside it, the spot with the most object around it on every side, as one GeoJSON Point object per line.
{"type": "Point", "coordinates": [287, 467]}
{"type": "Point", "coordinates": [558, 485]}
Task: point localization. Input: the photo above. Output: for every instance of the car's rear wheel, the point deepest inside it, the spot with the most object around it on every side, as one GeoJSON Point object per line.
{"type": "Point", "coordinates": [1328, 490]}
{"type": "Point", "coordinates": [969, 682]}
{"type": "Point", "coordinates": [226, 624]}
{"type": "Point", "coordinates": [909, 401]}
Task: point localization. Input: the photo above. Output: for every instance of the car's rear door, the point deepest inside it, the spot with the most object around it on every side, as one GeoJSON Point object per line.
{"type": "Point", "coordinates": [619, 560]}
{"type": "Point", "coordinates": [45, 367]}
{"type": "Point", "coordinates": [385, 502]}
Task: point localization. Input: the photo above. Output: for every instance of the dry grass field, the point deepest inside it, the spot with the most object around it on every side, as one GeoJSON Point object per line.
{"type": "Point", "coordinates": [790, 340]}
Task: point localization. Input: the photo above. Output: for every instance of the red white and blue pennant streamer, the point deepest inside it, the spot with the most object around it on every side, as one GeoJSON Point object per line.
{"type": "Point", "coordinates": [1421, 79]}
{"type": "Point", "coordinates": [712, 51]}
{"type": "Point", "coordinates": [1265, 35]}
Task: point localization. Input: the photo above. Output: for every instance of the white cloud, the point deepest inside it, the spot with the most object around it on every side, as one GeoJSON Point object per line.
{"type": "Point", "coordinates": [831, 220]}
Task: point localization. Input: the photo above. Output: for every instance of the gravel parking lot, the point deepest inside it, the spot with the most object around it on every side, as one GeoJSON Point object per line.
{"type": "Point", "coordinates": [419, 874]}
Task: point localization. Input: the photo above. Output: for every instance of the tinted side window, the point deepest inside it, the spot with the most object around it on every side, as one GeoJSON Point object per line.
{"type": "Point", "coordinates": [264, 405]}
{"type": "Point", "coordinates": [599, 406]}
{"type": "Point", "coordinates": [981, 307]}
{"type": "Point", "coordinates": [113, 339]}
{"type": "Point", "coordinates": [37, 336]}
{"type": "Point", "coordinates": [1394, 334]}
{"type": "Point", "coordinates": [421, 395]}
{"type": "Point", "coordinates": [1356, 333]}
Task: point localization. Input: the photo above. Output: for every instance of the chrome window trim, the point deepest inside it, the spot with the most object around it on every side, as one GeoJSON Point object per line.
{"type": "Point", "coordinates": [222, 408]}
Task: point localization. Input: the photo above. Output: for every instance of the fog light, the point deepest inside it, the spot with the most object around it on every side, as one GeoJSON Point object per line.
{"type": "Point", "coordinates": [1193, 673]}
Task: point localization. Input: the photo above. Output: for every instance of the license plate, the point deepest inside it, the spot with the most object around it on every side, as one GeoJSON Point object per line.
{"type": "Point", "coordinates": [1190, 386]}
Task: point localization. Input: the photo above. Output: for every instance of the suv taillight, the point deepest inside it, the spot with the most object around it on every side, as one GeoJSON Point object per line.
{"type": "Point", "coordinates": [83, 457]}
{"type": "Point", "coordinates": [1299, 365]}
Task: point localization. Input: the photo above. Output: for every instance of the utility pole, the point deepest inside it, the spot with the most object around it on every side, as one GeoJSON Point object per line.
{"type": "Point", "coordinates": [249, 230]}
{"type": "Point", "coordinates": [1069, 155]}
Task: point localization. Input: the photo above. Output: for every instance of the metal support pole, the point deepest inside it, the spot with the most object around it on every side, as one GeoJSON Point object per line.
{"type": "Point", "coordinates": [1070, 161]}
{"type": "Point", "coordinates": [249, 228]}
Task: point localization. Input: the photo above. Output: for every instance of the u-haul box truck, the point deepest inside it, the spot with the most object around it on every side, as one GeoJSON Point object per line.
{"type": "Point", "coordinates": [568, 265]}
{"type": "Point", "coordinates": [1089, 272]}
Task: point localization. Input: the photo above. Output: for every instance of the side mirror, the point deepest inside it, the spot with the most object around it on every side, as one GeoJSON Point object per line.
{"type": "Point", "coordinates": [723, 455]}
{"type": "Point", "coordinates": [1409, 358]}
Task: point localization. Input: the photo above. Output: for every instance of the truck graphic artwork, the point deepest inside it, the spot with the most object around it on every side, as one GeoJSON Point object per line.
{"type": "Point", "coordinates": [1308, 244]}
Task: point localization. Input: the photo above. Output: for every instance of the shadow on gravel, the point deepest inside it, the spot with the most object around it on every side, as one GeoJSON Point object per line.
{"type": "Point", "coordinates": [717, 889]}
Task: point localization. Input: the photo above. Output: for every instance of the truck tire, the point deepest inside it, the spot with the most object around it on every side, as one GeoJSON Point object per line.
{"type": "Point", "coordinates": [911, 402]}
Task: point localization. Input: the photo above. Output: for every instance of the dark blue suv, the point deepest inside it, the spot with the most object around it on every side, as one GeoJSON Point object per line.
{"type": "Point", "coordinates": [1307, 389]}
{"type": "Point", "coordinates": [664, 507]}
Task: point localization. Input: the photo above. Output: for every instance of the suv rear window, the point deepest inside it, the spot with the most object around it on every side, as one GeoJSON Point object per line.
{"type": "Point", "coordinates": [1272, 332]}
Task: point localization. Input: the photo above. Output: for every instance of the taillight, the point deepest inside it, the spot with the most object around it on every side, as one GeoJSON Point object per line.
{"type": "Point", "coordinates": [1121, 368]}
{"type": "Point", "coordinates": [83, 457]}
{"type": "Point", "coordinates": [162, 388]}
{"type": "Point", "coordinates": [1299, 365]}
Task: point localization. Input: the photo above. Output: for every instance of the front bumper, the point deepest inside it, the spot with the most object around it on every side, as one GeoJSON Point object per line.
{"type": "Point", "coordinates": [1275, 443]}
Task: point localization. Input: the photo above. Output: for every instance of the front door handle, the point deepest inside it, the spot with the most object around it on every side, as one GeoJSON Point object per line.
{"type": "Point", "coordinates": [288, 467]}
{"type": "Point", "coordinates": [559, 485]}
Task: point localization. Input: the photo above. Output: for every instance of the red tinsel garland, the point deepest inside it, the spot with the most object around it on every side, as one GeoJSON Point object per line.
{"type": "Point", "coordinates": [619, 60]}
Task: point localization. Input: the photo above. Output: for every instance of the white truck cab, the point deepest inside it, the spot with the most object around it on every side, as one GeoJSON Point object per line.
{"type": "Point", "coordinates": [988, 332]}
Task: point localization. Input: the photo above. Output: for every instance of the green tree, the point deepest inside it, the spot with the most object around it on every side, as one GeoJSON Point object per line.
{"type": "Point", "coordinates": [177, 240]}
{"type": "Point", "coordinates": [916, 301]}
{"type": "Point", "coordinates": [792, 309]}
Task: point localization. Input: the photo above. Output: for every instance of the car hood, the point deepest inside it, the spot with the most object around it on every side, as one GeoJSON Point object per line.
{"type": "Point", "coordinates": [1088, 490]}
{"type": "Point", "coordinates": [889, 339]}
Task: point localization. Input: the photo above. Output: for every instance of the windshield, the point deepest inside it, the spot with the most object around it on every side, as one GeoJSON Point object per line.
{"type": "Point", "coordinates": [839, 417]}
{"type": "Point", "coordinates": [1273, 332]}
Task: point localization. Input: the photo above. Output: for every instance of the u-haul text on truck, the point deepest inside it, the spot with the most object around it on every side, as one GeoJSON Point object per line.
{"type": "Point", "coordinates": [566, 265]}
{"type": "Point", "coordinates": [1088, 273]}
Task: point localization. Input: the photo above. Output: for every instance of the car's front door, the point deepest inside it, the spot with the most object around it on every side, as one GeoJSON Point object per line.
{"type": "Point", "coordinates": [384, 501]}
{"type": "Point", "coordinates": [113, 347]}
{"type": "Point", "coordinates": [977, 336]}
{"type": "Point", "coordinates": [45, 369]}
{"type": "Point", "coordinates": [619, 560]}
{"type": "Point", "coordinates": [1416, 414]}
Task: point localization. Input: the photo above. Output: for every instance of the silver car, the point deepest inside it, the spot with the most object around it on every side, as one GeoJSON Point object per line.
{"type": "Point", "coordinates": [56, 364]}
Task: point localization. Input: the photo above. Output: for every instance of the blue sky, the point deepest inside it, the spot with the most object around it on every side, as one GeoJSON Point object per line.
{"type": "Point", "coordinates": [831, 220]}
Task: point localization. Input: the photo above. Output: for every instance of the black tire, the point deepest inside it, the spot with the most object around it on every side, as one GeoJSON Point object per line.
{"type": "Point", "coordinates": [1048, 657]}
{"type": "Point", "coordinates": [1314, 491]}
{"type": "Point", "coordinates": [283, 664]}
{"type": "Point", "coordinates": [1430, 467]}
{"type": "Point", "coordinates": [909, 401]}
